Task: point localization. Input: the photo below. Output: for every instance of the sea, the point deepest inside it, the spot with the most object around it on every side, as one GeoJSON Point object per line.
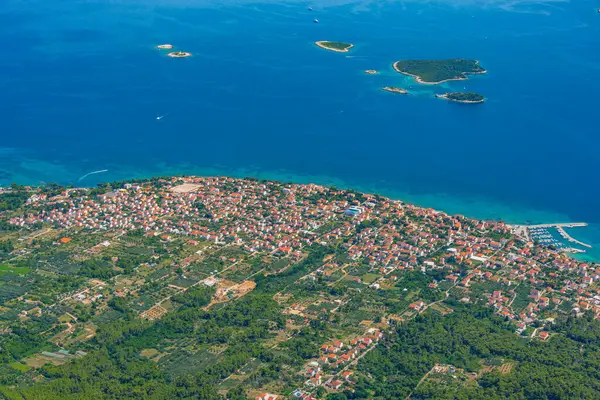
{"type": "Point", "coordinates": [82, 84]}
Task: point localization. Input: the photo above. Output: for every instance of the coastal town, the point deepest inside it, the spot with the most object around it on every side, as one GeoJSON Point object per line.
{"type": "Point", "coordinates": [341, 267]}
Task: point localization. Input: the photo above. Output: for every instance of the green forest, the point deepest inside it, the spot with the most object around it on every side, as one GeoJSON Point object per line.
{"type": "Point", "coordinates": [565, 367]}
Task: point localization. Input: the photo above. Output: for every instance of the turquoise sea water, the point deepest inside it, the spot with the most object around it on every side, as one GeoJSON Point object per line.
{"type": "Point", "coordinates": [81, 85]}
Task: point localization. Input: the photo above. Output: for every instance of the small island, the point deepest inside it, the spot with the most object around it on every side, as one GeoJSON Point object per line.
{"type": "Point", "coordinates": [394, 89]}
{"type": "Point", "coordinates": [335, 46]}
{"type": "Point", "coordinates": [179, 54]}
{"type": "Point", "coordinates": [164, 46]}
{"type": "Point", "coordinates": [438, 71]}
{"type": "Point", "coordinates": [371, 72]}
{"type": "Point", "coordinates": [462, 97]}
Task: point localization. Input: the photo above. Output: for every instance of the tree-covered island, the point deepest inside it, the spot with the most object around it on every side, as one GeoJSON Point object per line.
{"type": "Point", "coordinates": [438, 71]}
{"type": "Point", "coordinates": [179, 54]}
{"type": "Point", "coordinates": [394, 89]}
{"type": "Point", "coordinates": [462, 97]}
{"type": "Point", "coordinates": [340, 47]}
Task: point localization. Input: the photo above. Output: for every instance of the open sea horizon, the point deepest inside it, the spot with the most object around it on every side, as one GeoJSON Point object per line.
{"type": "Point", "coordinates": [82, 85]}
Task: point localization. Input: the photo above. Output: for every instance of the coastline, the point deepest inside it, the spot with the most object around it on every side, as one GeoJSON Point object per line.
{"type": "Point", "coordinates": [473, 206]}
{"type": "Point", "coordinates": [321, 45]}
{"type": "Point", "coordinates": [480, 208]}
{"type": "Point", "coordinates": [419, 80]}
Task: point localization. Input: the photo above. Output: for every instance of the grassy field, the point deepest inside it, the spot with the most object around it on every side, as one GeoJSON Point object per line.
{"type": "Point", "coordinates": [442, 308]}
{"type": "Point", "coordinates": [369, 278]}
{"type": "Point", "coordinates": [19, 367]}
{"type": "Point", "coordinates": [5, 269]}
{"type": "Point", "coordinates": [149, 353]}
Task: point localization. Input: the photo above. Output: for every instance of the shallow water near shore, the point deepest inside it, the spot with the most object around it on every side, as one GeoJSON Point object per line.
{"type": "Point", "coordinates": [84, 84]}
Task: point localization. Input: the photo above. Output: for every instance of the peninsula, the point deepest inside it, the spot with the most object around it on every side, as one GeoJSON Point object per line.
{"type": "Point", "coordinates": [340, 47]}
{"type": "Point", "coordinates": [462, 97]}
{"type": "Point", "coordinates": [164, 46]}
{"type": "Point", "coordinates": [438, 71]}
{"type": "Point", "coordinates": [179, 54]}
{"type": "Point", "coordinates": [394, 89]}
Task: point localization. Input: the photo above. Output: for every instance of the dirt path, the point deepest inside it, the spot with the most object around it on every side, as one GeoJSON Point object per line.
{"type": "Point", "coordinates": [421, 381]}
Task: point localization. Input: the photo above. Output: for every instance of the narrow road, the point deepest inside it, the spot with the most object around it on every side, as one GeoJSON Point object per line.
{"type": "Point", "coordinates": [421, 381]}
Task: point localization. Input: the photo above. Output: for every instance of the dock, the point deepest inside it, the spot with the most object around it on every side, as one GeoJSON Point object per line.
{"type": "Point", "coordinates": [572, 250]}
{"type": "Point", "coordinates": [558, 225]}
{"type": "Point", "coordinates": [570, 238]}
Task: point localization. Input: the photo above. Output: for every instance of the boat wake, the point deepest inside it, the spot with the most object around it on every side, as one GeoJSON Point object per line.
{"type": "Point", "coordinates": [91, 173]}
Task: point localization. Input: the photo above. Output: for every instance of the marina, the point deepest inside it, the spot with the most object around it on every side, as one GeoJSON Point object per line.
{"type": "Point", "coordinates": [552, 235]}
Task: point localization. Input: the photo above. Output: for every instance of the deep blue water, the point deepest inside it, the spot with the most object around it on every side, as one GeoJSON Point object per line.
{"type": "Point", "coordinates": [81, 84]}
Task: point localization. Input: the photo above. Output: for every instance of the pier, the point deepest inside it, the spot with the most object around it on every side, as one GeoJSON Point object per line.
{"type": "Point", "coordinates": [572, 250]}
{"type": "Point", "coordinates": [558, 225]}
{"type": "Point", "coordinates": [570, 238]}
